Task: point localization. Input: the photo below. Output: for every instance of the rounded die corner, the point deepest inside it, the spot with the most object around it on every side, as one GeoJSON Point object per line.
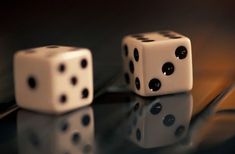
{"type": "Point", "coordinates": [85, 51]}
{"type": "Point", "coordinates": [188, 40]}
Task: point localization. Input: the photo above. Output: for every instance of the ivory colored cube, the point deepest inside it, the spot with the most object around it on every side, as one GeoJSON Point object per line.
{"type": "Point", "coordinates": [53, 79]}
{"type": "Point", "coordinates": [157, 63]}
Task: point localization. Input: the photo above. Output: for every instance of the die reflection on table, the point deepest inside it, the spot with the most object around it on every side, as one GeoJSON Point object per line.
{"type": "Point", "coordinates": [67, 134]}
{"type": "Point", "coordinates": [160, 121]}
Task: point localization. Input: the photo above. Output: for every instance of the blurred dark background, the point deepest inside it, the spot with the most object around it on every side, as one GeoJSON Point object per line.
{"type": "Point", "coordinates": [100, 26]}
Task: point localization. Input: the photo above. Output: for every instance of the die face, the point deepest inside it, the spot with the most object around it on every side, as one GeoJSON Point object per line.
{"type": "Point", "coordinates": [72, 80]}
{"type": "Point", "coordinates": [132, 63]}
{"type": "Point", "coordinates": [32, 77]}
{"type": "Point", "coordinates": [164, 120]}
{"type": "Point", "coordinates": [165, 70]}
{"type": "Point", "coordinates": [164, 63]}
{"type": "Point", "coordinates": [50, 134]}
{"type": "Point", "coordinates": [63, 77]}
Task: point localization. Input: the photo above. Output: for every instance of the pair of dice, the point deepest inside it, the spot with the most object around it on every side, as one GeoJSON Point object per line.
{"type": "Point", "coordinates": [57, 79]}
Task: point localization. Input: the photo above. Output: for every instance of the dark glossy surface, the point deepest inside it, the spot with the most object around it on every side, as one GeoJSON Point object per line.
{"type": "Point", "coordinates": [119, 121]}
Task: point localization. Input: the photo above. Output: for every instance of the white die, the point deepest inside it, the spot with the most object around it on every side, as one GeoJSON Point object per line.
{"type": "Point", "coordinates": [70, 133]}
{"type": "Point", "coordinates": [157, 63]}
{"type": "Point", "coordinates": [160, 121]}
{"type": "Point", "coordinates": [53, 79]}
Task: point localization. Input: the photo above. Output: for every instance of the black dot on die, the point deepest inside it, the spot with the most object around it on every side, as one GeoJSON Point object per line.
{"type": "Point", "coordinates": [32, 82]}
{"type": "Point", "coordinates": [74, 80]}
{"type": "Point", "coordinates": [147, 40]}
{"type": "Point", "coordinates": [138, 134]}
{"type": "Point", "coordinates": [169, 35]}
{"type": "Point", "coordinates": [136, 54]}
{"type": "Point", "coordinates": [84, 63]}
{"type": "Point", "coordinates": [181, 52]}
{"type": "Point", "coordinates": [85, 93]}
{"type": "Point", "coordinates": [154, 84]}
{"type": "Point", "coordinates": [168, 68]}
{"type": "Point", "coordinates": [174, 37]}
{"type": "Point", "coordinates": [169, 120]}
{"type": "Point", "coordinates": [76, 138]}
{"type": "Point", "coordinates": [137, 83]}
{"type": "Point", "coordinates": [64, 126]}
{"type": "Point", "coordinates": [179, 131]}
{"type": "Point", "coordinates": [131, 66]}
{"type": "Point", "coordinates": [142, 38]}
{"type": "Point", "coordinates": [156, 108]}
{"type": "Point", "coordinates": [127, 78]}
{"type": "Point", "coordinates": [61, 68]}
{"type": "Point", "coordinates": [86, 120]}
{"type": "Point", "coordinates": [63, 98]}
{"type": "Point", "coordinates": [125, 48]}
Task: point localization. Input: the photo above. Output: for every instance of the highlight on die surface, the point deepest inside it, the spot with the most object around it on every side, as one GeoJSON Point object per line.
{"type": "Point", "coordinates": [53, 79]}
{"type": "Point", "coordinates": [157, 63]}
